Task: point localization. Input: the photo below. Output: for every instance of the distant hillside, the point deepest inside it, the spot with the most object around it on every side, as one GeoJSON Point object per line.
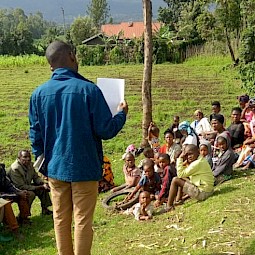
{"type": "Point", "coordinates": [121, 10]}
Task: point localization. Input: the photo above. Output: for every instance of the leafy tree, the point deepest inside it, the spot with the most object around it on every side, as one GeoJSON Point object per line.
{"type": "Point", "coordinates": [187, 25]}
{"type": "Point", "coordinates": [37, 25]}
{"type": "Point", "coordinates": [98, 11]}
{"type": "Point", "coordinates": [206, 25]}
{"type": "Point", "coordinates": [228, 15]}
{"type": "Point", "coordinates": [170, 15]}
{"type": "Point", "coordinates": [81, 29]}
{"type": "Point", "coordinates": [248, 14]}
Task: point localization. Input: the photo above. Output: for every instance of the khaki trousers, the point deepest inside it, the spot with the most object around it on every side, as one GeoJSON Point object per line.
{"type": "Point", "coordinates": [79, 199]}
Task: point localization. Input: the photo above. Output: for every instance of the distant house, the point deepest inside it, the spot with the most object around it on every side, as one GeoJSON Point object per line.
{"type": "Point", "coordinates": [127, 30]}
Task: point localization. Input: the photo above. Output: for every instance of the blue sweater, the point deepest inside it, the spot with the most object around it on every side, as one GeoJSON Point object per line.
{"type": "Point", "coordinates": [68, 119]}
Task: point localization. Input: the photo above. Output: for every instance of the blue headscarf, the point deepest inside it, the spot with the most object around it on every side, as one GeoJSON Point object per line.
{"type": "Point", "coordinates": [186, 126]}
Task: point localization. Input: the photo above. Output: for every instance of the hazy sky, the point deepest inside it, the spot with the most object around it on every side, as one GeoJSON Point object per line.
{"type": "Point", "coordinates": [52, 9]}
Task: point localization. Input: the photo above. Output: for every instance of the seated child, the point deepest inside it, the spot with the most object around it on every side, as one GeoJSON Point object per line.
{"type": "Point", "coordinates": [150, 181]}
{"type": "Point", "coordinates": [148, 153]}
{"type": "Point", "coordinates": [157, 168]}
{"type": "Point", "coordinates": [144, 209]}
{"type": "Point", "coordinates": [196, 168]}
{"type": "Point", "coordinates": [153, 137]}
{"type": "Point", "coordinates": [131, 172]}
{"type": "Point", "coordinates": [169, 172]}
{"type": "Point", "coordinates": [205, 149]}
{"type": "Point", "coordinates": [223, 166]}
{"type": "Point", "coordinates": [175, 130]}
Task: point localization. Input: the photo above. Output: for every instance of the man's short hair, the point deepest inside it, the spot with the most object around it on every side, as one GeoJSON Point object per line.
{"type": "Point", "coordinates": [57, 51]}
{"type": "Point", "coordinates": [217, 103]}
{"type": "Point", "coordinates": [237, 109]}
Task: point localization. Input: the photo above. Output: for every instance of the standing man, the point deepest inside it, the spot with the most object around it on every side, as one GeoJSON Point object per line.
{"type": "Point", "coordinates": [68, 119]}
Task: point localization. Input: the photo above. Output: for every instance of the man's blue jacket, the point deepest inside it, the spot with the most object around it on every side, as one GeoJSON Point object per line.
{"type": "Point", "coordinates": [69, 117]}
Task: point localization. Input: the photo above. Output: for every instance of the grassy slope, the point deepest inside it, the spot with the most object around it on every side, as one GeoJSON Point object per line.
{"type": "Point", "coordinates": [224, 221]}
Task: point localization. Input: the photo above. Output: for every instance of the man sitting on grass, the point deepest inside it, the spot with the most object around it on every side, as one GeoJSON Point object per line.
{"type": "Point", "coordinates": [199, 180]}
{"type": "Point", "coordinates": [24, 177]}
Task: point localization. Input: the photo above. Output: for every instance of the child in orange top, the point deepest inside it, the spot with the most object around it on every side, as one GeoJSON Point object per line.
{"type": "Point", "coordinates": [131, 172]}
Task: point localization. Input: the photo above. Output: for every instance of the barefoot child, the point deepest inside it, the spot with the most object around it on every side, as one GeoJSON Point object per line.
{"type": "Point", "coordinates": [196, 168]}
{"type": "Point", "coordinates": [168, 174]}
{"type": "Point", "coordinates": [144, 209]}
{"type": "Point", "coordinates": [150, 181]}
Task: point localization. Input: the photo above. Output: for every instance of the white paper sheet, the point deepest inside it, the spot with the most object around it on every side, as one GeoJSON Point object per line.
{"type": "Point", "coordinates": [113, 91]}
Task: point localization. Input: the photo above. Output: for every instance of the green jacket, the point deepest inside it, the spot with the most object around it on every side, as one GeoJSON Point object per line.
{"type": "Point", "coordinates": [24, 178]}
{"type": "Point", "coordinates": [199, 172]}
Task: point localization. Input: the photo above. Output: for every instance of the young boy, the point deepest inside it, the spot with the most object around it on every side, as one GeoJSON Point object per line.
{"type": "Point", "coordinates": [196, 168]}
{"type": "Point", "coordinates": [150, 181]}
{"type": "Point", "coordinates": [148, 153]}
{"type": "Point", "coordinates": [131, 172]}
{"type": "Point", "coordinates": [223, 167]}
{"type": "Point", "coordinates": [144, 209]}
{"type": "Point", "coordinates": [169, 172]}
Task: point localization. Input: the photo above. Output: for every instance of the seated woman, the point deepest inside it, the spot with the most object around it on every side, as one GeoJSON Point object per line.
{"type": "Point", "coordinates": [223, 166]}
{"type": "Point", "coordinates": [170, 147]}
{"type": "Point", "coordinates": [201, 124]}
{"type": "Point", "coordinates": [190, 136]}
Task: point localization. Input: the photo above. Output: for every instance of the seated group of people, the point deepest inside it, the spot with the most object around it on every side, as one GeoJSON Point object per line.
{"type": "Point", "coordinates": [21, 184]}
{"type": "Point", "coordinates": [193, 159]}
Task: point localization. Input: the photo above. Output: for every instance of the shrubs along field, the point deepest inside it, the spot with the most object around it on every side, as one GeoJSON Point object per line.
{"type": "Point", "coordinates": [223, 224]}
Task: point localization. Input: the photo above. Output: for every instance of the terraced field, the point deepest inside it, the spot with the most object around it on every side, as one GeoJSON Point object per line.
{"type": "Point", "coordinates": [223, 224]}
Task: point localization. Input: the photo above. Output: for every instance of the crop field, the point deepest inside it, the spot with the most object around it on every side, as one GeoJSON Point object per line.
{"type": "Point", "coordinates": [223, 224]}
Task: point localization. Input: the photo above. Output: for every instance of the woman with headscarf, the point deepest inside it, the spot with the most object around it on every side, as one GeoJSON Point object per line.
{"type": "Point", "coordinates": [188, 133]}
{"type": "Point", "coordinates": [223, 166]}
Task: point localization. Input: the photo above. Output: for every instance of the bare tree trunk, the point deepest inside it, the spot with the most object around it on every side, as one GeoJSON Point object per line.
{"type": "Point", "coordinates": [147, 71]}
{"type": "Point", "coordinates": [230, 47]}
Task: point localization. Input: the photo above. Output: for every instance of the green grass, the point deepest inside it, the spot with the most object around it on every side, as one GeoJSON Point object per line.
{"type": "Point", "coordinates": [224, 222]}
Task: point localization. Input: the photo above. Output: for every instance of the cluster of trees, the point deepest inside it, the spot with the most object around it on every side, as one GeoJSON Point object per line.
{"type": "Point", "coordinates": [19, 32]}
{"type": "Point", "coordinates": [26, 34]}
